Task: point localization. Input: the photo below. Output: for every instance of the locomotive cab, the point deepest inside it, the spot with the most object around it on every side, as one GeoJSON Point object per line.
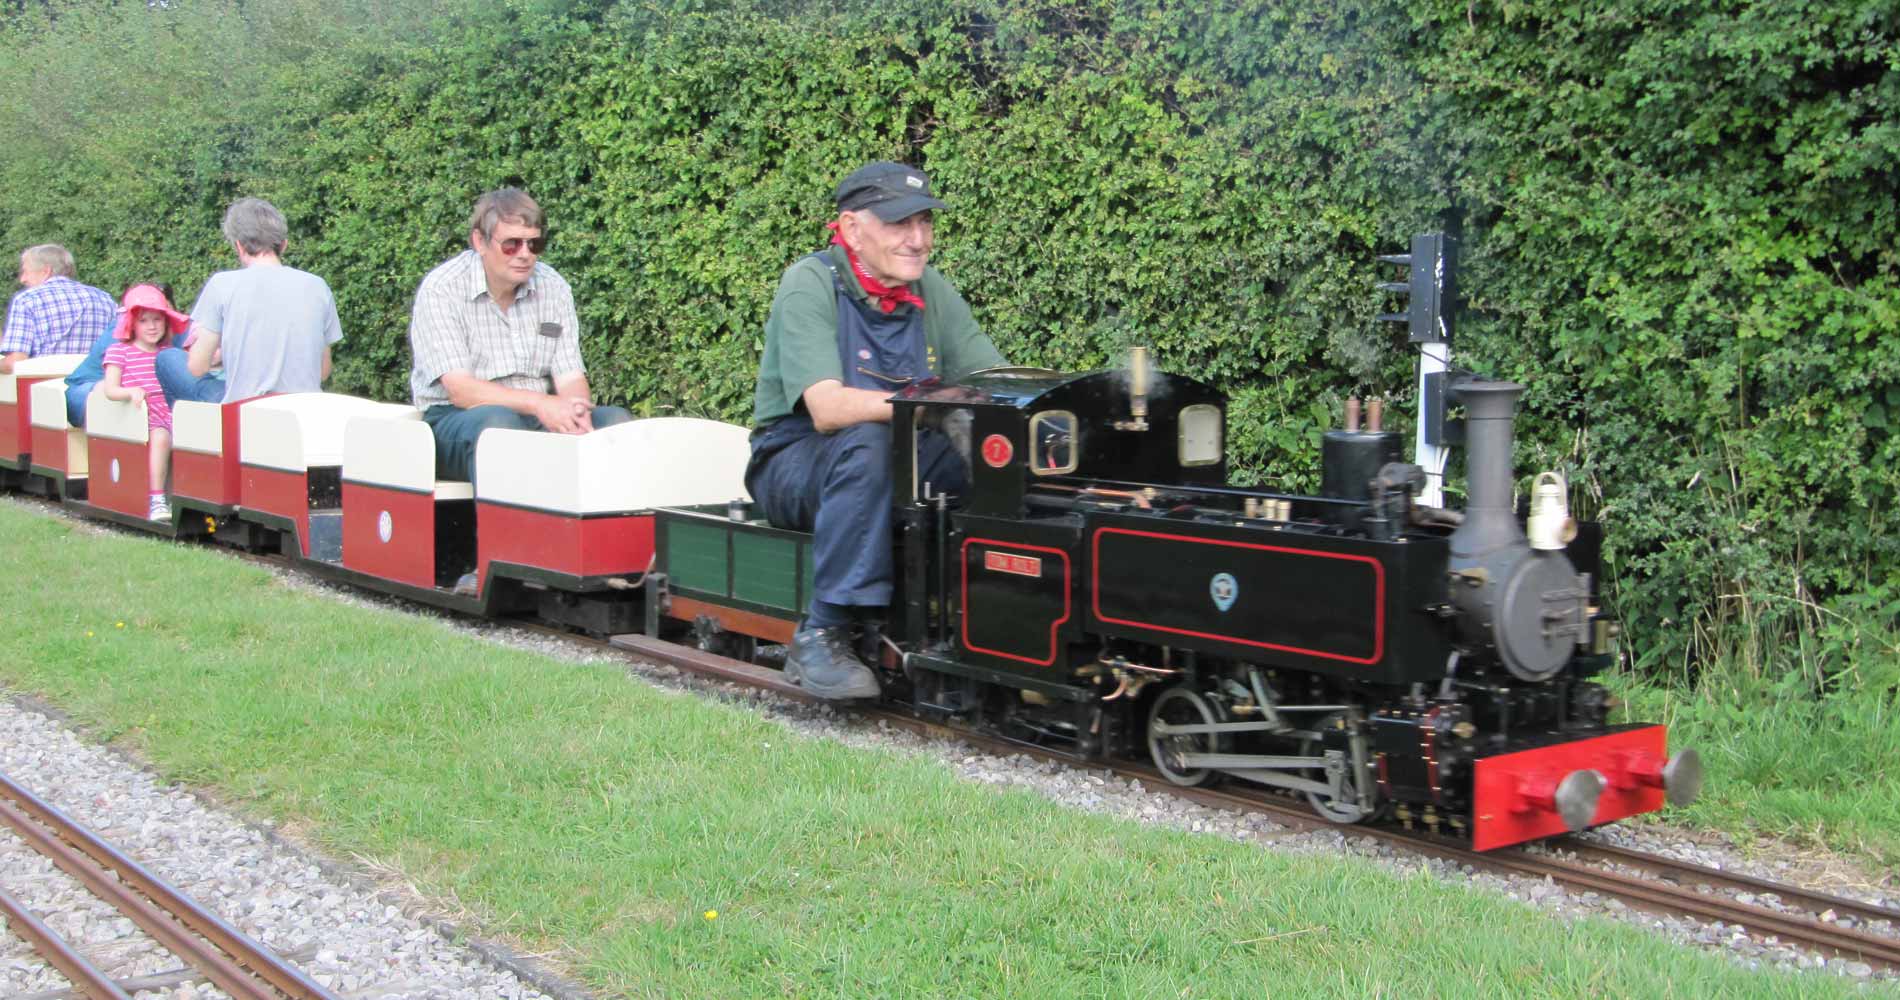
{"type": "Point", "coordinates": [1025, 428]}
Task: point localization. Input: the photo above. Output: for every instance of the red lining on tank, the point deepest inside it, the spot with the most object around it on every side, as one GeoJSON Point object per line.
{"type": "Point", "coordinates": [1067, 611]}
{"type": "Point", "coordinates": [1378, 597]}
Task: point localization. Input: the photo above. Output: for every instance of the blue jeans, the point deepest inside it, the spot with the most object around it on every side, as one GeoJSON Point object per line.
{"type": "Point", "coordinates": [76, 402]}
{"type": "Point", "coordinates": [457, 430]}
{"type": "Point", "coordinates": [838, 487]}
{"type": "Point", "coordinates": [175, 377]}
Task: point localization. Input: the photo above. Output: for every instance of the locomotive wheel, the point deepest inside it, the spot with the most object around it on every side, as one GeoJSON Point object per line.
{"type": "Point", "coordinates": [1344, 809]}
{"type": "Point", "coordinates": [1180, 705]}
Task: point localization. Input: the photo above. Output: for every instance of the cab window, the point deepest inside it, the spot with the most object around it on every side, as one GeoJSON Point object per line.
{"type": "Point", "coordinates": [1200, 435]}
{"type": "Point", "coordinates": [1052, 444]}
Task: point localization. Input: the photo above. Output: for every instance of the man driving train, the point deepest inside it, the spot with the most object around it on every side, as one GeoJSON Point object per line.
{"type": "Point", "coordinates": [850, 325]}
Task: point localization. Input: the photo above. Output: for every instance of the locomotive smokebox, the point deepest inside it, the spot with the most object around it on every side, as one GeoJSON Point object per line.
{"type": "Point", "coordinates": [1528, 608]}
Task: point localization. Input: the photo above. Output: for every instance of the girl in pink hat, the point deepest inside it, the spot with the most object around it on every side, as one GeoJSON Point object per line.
{"type": "Point", "coordinates": [147, 323]}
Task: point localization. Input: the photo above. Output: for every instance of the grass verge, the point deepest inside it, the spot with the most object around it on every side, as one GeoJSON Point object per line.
{"type": "Point", "coordinates": [671, 847]}
{"type": "Point", "coordinates": [1789, 765]}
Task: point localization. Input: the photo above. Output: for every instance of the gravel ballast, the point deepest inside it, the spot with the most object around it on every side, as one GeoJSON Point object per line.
{"type": "Point", "coordinates": [339, 930]}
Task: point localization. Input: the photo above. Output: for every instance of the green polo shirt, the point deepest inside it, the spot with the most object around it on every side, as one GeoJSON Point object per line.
{"type": "Point", "coordinates": [801, 335]}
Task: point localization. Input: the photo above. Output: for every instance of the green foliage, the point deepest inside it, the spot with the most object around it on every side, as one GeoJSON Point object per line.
{"type": "Point", "coordinates": [1677, 219]}
{"type": "Point", "coordinates": [1681, 229]}
{"type": "Point", "coordinates": [1805, 755]}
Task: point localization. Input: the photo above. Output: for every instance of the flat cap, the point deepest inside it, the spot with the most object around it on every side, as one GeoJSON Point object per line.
{"type": "Point", "coordinates": [892, 191]}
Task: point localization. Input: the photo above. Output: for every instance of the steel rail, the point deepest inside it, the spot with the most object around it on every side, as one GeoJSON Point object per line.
{"type": "Point", "coordinates": [1666, 897]}
{"type": "Point", "coordinates": [86, 978]}
{"type": "Point", "coordinates": [229, 959]}
{"type": "Point", "coordinates": [1687, 872]}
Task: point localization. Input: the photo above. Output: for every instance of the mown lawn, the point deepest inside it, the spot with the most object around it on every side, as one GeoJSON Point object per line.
{"type": "Point", "coordinates": [670, 847]}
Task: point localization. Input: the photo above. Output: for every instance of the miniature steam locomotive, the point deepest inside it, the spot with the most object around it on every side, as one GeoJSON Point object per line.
{"type": "Point", "coordinates": [1101, 586]}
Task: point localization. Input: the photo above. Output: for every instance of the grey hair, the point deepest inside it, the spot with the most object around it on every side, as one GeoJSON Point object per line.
{"type": "Point", "coordinates": [504, 204]}
{"type": "Point", "coordinates": [256, 225]}
{"type": "Point", "coordinates": [56, 259]}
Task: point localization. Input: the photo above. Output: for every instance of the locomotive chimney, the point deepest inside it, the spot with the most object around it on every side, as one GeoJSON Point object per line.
{"type": "Point", "coordinates": [1490, 410]}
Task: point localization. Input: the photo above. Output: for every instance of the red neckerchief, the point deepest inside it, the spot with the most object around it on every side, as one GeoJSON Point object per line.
{"type": "Point", "coordinates": [886, 297]}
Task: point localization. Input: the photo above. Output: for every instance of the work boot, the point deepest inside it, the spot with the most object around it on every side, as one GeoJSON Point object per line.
{"type": "Point", "coordinates": [820, 661]}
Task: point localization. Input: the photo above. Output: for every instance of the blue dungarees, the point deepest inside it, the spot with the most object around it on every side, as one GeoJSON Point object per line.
{"type": "Point", "coordinates": [838, 486]}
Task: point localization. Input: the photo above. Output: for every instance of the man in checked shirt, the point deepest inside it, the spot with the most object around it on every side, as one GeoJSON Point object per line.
{"type": "Point", "coordinates": [55, 314]}
{"type": "Point", "coordinates": [496, 340]}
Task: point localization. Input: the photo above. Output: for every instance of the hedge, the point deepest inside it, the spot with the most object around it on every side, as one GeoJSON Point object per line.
{"type": "Point", "coordinates": [1676, 220]}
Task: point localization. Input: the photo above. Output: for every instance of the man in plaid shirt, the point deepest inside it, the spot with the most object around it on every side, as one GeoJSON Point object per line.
{"type": "Point", "coordinates": [496, 339]}
{"type": "Point", "coordinates": [55, 314]}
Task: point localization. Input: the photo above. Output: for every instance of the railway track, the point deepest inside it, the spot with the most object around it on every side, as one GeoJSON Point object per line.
{"type": "Point", "coordinates": [239, 966]}
{"type": "Point", "coordinates": [1664, 886]}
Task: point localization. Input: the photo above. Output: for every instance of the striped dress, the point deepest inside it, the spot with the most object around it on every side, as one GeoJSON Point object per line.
{"type": "Point", "coordinates": [140, 368]}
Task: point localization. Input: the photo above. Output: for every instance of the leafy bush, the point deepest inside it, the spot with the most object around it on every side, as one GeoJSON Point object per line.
{"type": "Point", "coordinates": [1677, 219]}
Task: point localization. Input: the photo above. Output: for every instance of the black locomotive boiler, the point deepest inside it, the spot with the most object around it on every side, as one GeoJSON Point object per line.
{"type": "Point", "coordinates": [1101, 585]}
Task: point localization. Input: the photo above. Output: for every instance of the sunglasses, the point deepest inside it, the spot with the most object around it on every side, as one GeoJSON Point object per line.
{"type": "Point", "coordinates": [512, 246]}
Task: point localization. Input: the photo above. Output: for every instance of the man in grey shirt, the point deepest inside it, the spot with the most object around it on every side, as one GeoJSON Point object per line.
{"type": "Point", "coordinates": [496, 339]}
{"type": "Point", "coordinates": [272, 324]}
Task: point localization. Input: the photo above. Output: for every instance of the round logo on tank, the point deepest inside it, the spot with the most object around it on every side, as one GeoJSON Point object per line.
{"type": "Point", "coordinates": [997, 451]}
{"type": "Point", "coordinates": [1224, 589]}
{"type": "Point", "coordinates": [115, 470]}
{"type": "Point", "coordinates": [385, 526]}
